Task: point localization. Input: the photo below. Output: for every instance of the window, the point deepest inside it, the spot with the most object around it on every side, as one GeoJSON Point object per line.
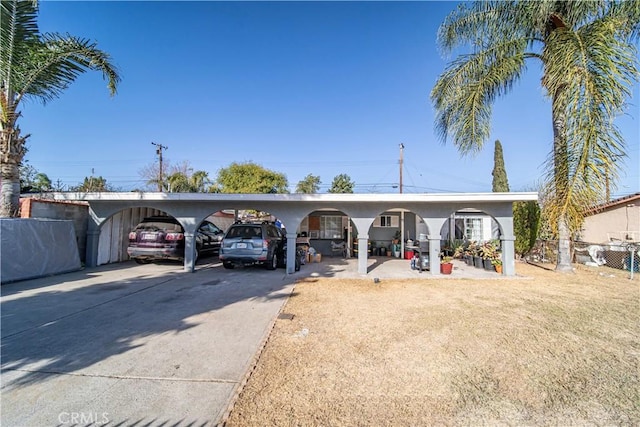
{"type": "Point", "coordinates": [331, 227]}
{"type": "Point", "coordinates": [473, 229]}
{"type": "Point", "coordinates": [387, 221]}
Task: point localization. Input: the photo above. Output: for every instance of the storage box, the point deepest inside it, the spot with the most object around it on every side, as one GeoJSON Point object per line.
{"type": "Point", "coordinates": [317, 258]}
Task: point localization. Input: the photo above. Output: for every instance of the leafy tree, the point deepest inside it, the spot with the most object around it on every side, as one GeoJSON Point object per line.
{"type": "Point", "coordinates": [342, 184]}
{"type": "Point", "coordinates": [93, 184]}
{"type": "Point", "coordinates": [589, 65]}
{"type": "Point", "coordinates": [32, 181]}
{"type": "Point", "coordinates": [250, 178]}
{"type": "Point", "coordinates": [27, 176]}
{"type": "Point", "coordinates": [526, 221]}
{"type": "Point", "coordinates": [309, 185]}
{"type": "Point", "coordinates": [151, 174]}
{"type": "Point", "coordinates": [500, 182]}
{"type": "Point", "coordinates": [177, 178]}
{"type": "Point", "coordinates": [41, 183]}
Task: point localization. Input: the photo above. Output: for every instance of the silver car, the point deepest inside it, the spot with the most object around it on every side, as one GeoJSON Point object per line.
{"type": "Point", "coordinates": [253, 243]}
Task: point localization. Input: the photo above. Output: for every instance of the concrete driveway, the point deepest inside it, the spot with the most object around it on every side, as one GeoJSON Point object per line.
{"type": "Point", "coordinates": [131, 344]}
{"type": "Point", "coordinates": [147, 345]}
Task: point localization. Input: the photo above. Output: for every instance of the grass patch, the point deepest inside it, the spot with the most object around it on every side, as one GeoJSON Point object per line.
{"type": "Point", "coordinates": [550, 350]}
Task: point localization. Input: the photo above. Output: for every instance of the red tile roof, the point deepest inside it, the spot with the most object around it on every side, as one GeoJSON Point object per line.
{"type": "Point", "coordinates": [626, 200]}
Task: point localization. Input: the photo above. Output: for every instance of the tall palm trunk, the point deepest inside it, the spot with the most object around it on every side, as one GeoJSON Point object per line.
{"type": "Point", "coordinates": [561, 180]}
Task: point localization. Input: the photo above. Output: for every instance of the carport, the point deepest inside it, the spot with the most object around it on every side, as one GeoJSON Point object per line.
{"type": "Point", "coordinates": [192, 208]}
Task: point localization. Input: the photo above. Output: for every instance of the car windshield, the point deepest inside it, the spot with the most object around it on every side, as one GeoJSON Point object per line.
{"type": "Point", "coordinates": [245, 232]}
{"type": "Point", "coordinates": [158, 225]}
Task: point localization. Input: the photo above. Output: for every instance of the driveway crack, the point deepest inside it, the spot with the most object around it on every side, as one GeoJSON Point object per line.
{"type": "Point", "coordinates": [125, 377]}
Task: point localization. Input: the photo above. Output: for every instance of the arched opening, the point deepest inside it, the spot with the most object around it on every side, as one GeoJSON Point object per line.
{"type": "Point", "coordinates": [114, 233]}
{"type": "Point", "coordinates": [473, 236]}
{"type": "Point", "coordinates": [147, 234]}
{"type": "Point", "coordinates": [254, 237]}
{"type": "Point", "coordinates": [328, 232]}
{"type": "Point", "coordinates": [402, 234]}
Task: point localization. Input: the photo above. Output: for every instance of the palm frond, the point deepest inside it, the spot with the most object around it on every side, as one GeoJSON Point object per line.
{"type": "Point", "coordinates": [477, 24]}
{"type": "Point", "coordinates": [18, 30]}
{"type": "Point", "coordinates": [464, 94]}
{"type": "Point", "coordinates": [590, 74]}
{"type": "Point", "coordinates": [57, 61]}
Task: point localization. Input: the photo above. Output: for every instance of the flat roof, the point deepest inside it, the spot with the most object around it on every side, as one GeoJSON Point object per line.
{"type": "Point", "coordinates": [297, 197]}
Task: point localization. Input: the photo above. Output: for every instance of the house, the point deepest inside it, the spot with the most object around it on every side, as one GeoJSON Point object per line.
{"type": "Point", "coordinates": [326, 226]}
{"type": "Point", "coordinates": [617, 221]}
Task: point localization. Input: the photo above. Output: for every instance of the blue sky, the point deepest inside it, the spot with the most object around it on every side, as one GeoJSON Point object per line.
{"type": "Point", "coordinates": [297, 87]}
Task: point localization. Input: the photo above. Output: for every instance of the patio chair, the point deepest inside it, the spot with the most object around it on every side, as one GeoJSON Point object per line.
{"type": "Point", "coordinates": [339, 248]}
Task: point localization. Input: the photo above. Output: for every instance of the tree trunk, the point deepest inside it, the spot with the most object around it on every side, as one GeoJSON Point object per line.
{"type": "Point", "coordinates": [10, 178]}
{"type": "Point", "coordinates": [561, 180]}
{"type": "Point", "coordinates": [12, 152]}
{"type": "Point", "coordinates": [564, 247]}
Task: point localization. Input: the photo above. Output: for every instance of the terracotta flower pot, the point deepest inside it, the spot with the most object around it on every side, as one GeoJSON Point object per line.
{"type": "Point", "coordinates": [446, 268]}
{"type": "Point", "coordinates": [498, 268]}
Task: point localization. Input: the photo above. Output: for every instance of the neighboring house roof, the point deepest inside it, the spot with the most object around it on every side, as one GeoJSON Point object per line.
{"type": "Point", "coordinates": [623, 201]}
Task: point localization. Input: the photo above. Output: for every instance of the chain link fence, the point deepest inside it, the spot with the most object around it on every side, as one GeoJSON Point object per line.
{"type": "Point", "coordinates": [617, 255]}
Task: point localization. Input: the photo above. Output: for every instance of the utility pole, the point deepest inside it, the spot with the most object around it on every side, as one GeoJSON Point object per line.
{"type": "Point", "coordinates": [401, 161]}
{"type": "Point", "coordinates": [159, 149]}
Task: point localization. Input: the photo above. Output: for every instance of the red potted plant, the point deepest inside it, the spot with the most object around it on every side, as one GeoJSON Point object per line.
{"type": "Point", "coordinates": [446, 266]}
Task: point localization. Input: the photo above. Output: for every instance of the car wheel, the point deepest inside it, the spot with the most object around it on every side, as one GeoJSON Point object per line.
{"type": "Point", "coordinates": [196, 255]}
{"type": "Point", "coordinates": [282, 261]}
{"type": "Point", "coordinates": [272, 264]}
{"type": "Point", "coordinates": [142, 260]}
{"type": "Point", "coordinates": [228, 265]}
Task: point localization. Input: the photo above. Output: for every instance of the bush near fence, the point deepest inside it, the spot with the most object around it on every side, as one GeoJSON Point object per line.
{"type": "Point", "coordinates": [619, 255]}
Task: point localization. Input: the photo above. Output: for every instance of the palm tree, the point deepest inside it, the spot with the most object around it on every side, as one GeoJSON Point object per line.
{"type": "Point", "coordinates": [39, 66]}
{"type": "Point", "coordinates": [179, 182]}
{"type": "Point", "coordinates": [589, 66]}
{"type": "Point", "coordinates": [200, 182]}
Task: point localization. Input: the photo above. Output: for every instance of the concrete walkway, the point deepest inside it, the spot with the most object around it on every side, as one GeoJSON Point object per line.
{"type": "Point", "coordinates": [150, 345]}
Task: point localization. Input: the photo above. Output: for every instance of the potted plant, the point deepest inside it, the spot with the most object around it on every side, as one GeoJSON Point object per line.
{"type": "Point", "coordinates": [488, 253]}
{"type": "Point", "coordinates": [446, 266]}
{"type": "Point", "coordinates": [476, 254]}
{"type": "Point", "coordinates": [382, 249]}
{"type": "Point", "coordinates": [497, 264]}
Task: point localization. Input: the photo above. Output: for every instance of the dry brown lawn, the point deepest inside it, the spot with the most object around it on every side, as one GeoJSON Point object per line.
{"type": "Point", "coordinates": [547, 349]}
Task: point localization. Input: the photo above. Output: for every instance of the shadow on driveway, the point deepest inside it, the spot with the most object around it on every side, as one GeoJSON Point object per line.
{"type": "Point", "coordinates": [67, 323]}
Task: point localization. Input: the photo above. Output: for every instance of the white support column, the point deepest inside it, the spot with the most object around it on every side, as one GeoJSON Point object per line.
{"type": "Point", "coordinates": [363, 247]}
{"type": "Point", "coordinates": [91, 251]}
{"type": "Point", "coordinates": [402, 236]}
{"type": "Point", "coordinates": [434, 254]}
{"type": "Point", "coordinates": [189, 252]}
{"type": "Point", "coordinates": [508, 256]}
{"type": "Point", "coordinates": [291, 253]}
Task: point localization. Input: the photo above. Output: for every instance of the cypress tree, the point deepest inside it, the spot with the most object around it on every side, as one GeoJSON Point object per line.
{"type": "Point", "coordinates": [500, 182]}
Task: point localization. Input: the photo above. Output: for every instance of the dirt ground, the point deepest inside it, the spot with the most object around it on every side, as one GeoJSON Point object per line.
{"type": "Point", "coordinates": [539, 349]}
